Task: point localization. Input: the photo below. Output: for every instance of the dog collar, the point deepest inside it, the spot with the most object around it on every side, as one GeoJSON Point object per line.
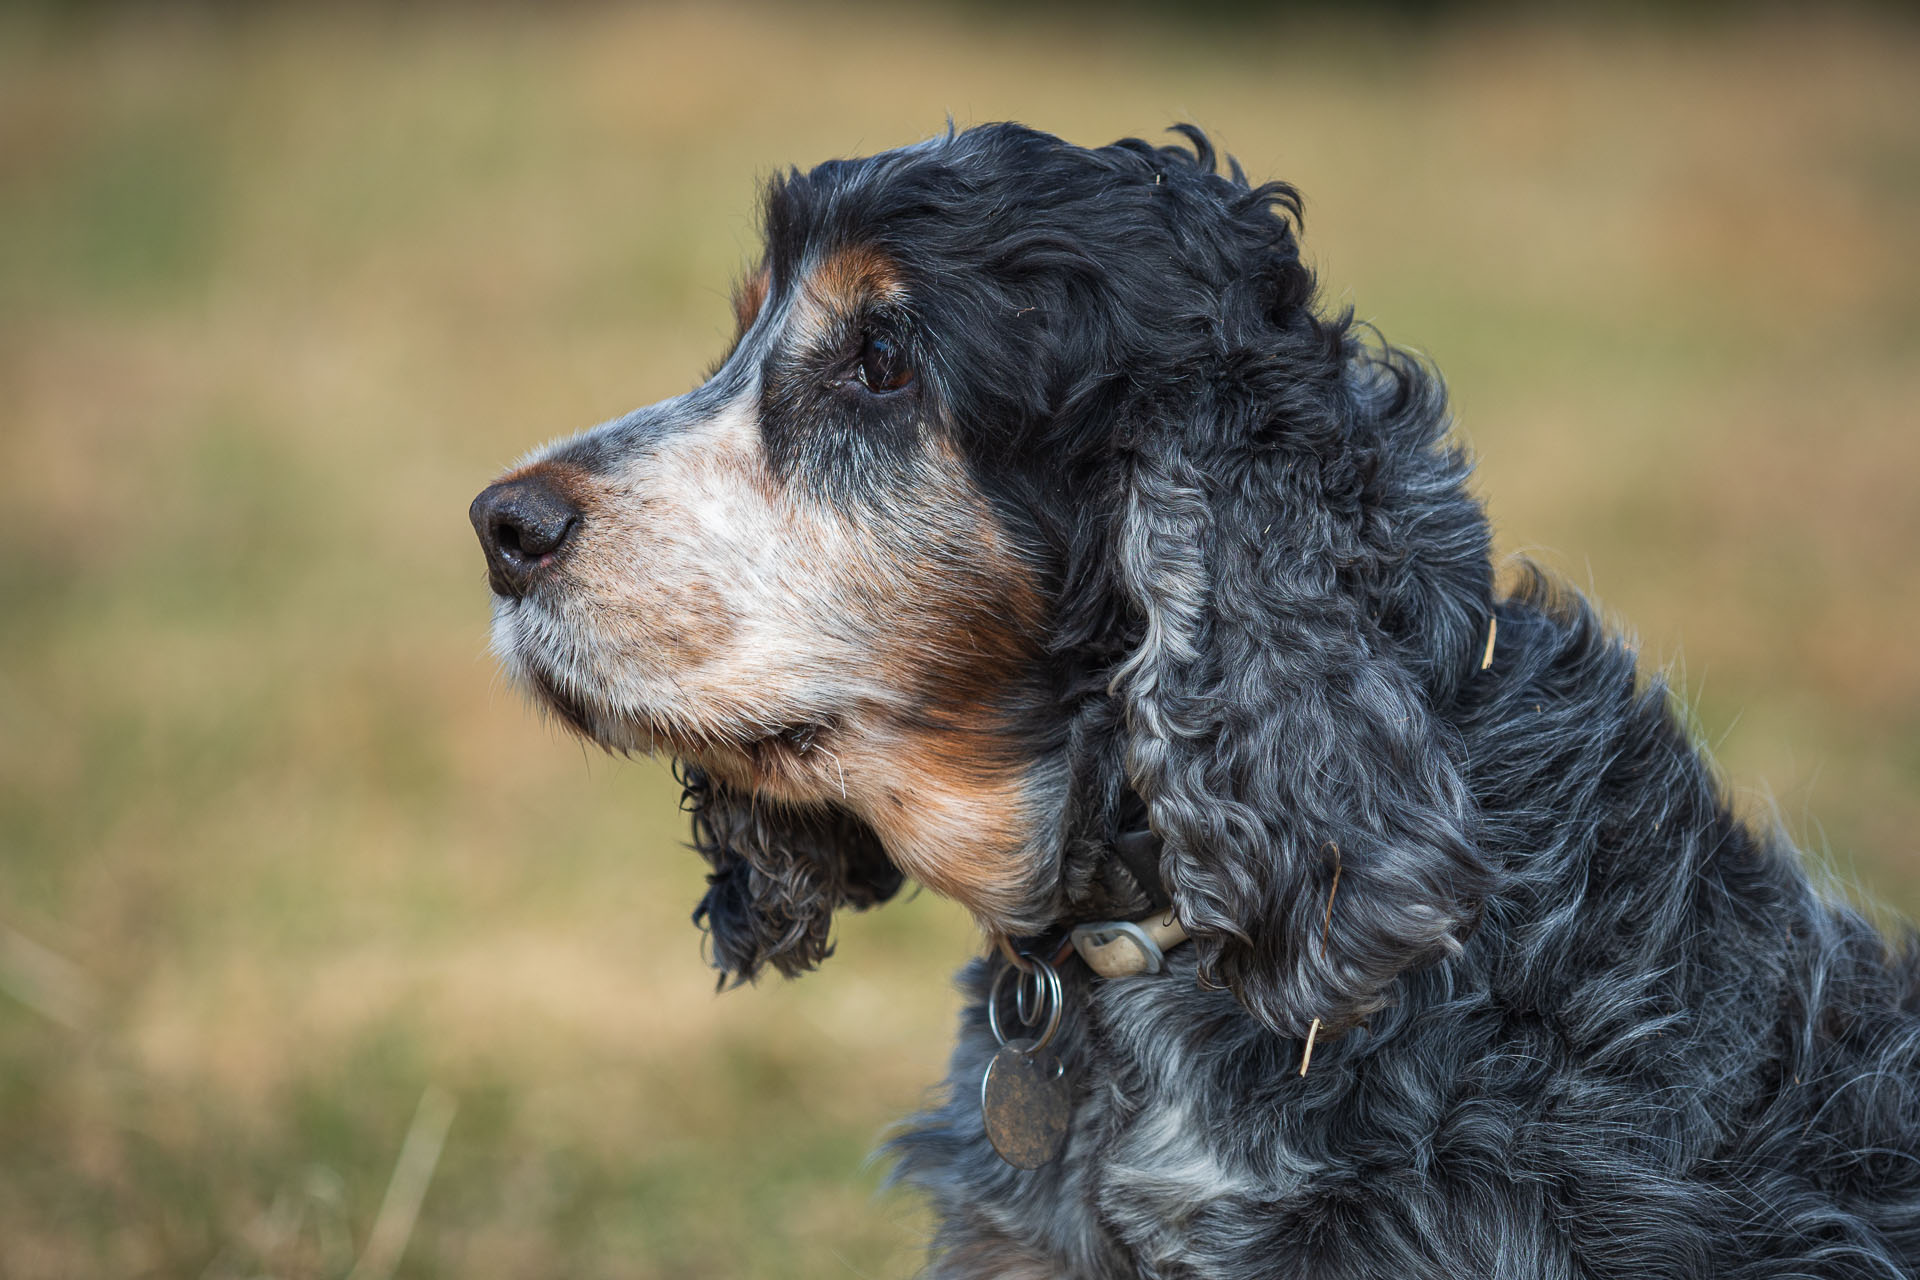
{"type": "Point", "coordinates": [1118, 948]}
{"type": "Point", "coordinates": [1110, 948]}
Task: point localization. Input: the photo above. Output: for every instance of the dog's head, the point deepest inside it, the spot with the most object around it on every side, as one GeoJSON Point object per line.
{"type": "Point", "coordinates": [1032, 477]}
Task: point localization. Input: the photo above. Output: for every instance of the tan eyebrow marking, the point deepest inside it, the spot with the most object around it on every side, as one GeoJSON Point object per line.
{"type": "Point", "coordinates": [847, 278]}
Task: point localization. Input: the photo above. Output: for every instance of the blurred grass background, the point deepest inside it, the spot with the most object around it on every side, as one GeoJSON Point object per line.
{"type": "Point", "coordinates": [280, 290]}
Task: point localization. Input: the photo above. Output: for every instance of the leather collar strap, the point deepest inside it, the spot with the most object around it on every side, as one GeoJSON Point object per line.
{"type": "Point", "coordinates": [1123, 948]}
{"type": "Point", "coordinates": [1138, 851]}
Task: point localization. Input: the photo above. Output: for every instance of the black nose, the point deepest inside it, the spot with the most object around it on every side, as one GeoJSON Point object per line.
{"type": "Point", "coordinates": [522, 524]}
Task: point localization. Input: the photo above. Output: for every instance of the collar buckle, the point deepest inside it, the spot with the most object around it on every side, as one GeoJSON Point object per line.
{"type": "Point", "coordinates": [1126, 948]}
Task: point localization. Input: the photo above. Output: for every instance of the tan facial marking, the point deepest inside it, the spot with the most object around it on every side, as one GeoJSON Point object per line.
{"type": "Point", "coordinates": [847, 278]}
{"type": "Point", "coordinates": [838, 285]}
{"type": "Point", "coordinates": [749, 295]}
{"type": "Point", "coordinates": [757, 607]}
{"type": "Point", "coordinates": [959, 833]}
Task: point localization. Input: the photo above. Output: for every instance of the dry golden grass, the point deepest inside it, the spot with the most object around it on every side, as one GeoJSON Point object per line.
{"type": "Point", "coordinates": [279, 853]}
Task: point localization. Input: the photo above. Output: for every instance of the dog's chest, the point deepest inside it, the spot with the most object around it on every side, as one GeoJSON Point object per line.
{"type": "Point", "coordinates": [1162, 1184]}
{"type": "Point", "coordinates": [1170, 1168]}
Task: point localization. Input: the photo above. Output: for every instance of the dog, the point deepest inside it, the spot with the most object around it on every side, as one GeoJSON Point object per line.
{"type": "Point", "coordinates": [1043, 541]}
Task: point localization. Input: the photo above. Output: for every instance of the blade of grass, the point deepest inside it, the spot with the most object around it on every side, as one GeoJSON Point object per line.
{"type": "Point", "coordinates": [419, 1155]}
{"type": "Point", "coordinates": [46, 982]}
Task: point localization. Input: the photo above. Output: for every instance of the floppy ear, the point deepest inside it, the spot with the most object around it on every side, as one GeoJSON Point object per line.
{"type": "Point", "coordinates": [778, 876]}
{"type": "Point", "coordinates": [1318, 838]}
{"type": "Point", "coordinates": [1311, 579]}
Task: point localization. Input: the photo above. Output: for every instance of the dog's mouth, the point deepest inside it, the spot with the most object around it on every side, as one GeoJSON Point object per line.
{"type": "Point", "coordinates": [762, 754]}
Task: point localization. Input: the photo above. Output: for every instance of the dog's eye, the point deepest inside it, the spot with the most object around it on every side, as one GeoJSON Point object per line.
{"type": "Point", "coordinates": [883, 363]}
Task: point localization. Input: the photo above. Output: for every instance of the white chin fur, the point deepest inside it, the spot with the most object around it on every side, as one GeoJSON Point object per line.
{"type": "Point", "coordinates": [618, 703]}
{"type": "Point", "coordinates": [534, 648]}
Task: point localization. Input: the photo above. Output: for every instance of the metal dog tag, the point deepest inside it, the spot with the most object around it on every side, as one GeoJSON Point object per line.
{"type": "Point", "coordinates": [1024, 1101]}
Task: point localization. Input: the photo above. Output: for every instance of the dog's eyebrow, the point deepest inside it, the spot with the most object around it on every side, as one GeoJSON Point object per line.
{"type": "Point", "coordinates": [851, 277]}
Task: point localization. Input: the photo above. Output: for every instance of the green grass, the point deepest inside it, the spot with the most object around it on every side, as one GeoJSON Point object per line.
{"type": "Point", "coordinates": [279, 852]}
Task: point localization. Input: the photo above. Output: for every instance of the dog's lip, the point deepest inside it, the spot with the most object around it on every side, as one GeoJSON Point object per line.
{"type": "Point", "coordinates": [793, 758]}
{"type": "Point", "coordinates": [540, 567]}
{"type": "Point", "coordinates": [796, 738]}
{"type": "Point", "coordinates": [504, 590]}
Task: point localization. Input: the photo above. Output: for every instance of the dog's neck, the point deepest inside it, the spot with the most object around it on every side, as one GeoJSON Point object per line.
{"type": "Point", "coordinates": [1117, 912]}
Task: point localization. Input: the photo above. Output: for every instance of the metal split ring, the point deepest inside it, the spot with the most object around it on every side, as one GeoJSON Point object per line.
{"type": "Point", "coordinates": [1037, 1001]}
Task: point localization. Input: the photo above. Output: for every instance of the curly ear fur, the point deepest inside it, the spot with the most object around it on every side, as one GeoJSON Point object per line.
{"type": "Point", "coordinates": [778, 876]}
{"type": "Point", "coordinates": [1311, 580]}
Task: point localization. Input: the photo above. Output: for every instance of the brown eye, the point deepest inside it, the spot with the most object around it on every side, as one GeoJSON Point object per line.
{"type": "Point", "coordinates": [883, 363]}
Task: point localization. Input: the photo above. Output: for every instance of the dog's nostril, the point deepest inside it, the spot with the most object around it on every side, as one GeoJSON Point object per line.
{"type": "Point", "coordinates": [532, 538]}
{"type": "Point", "coordinates": [520, 523]}
{"type": "Point", "coordinates": [506, 536]}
